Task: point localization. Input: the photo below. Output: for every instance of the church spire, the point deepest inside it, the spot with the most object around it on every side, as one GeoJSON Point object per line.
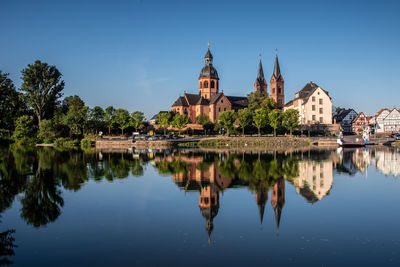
{"type": "Point", "coordinates": [277, 70]}
{"type": "Point", "coordinates": [260, 74]}
{"type": "Point", "coordinates": [260, 84]}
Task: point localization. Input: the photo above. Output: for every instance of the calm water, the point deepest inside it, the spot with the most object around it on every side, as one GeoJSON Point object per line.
{"type": "Point", "coordinates": [188, 208]}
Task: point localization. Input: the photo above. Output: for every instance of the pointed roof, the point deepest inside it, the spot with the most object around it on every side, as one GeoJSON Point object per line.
{"type": "Point", "coordinates": [260, 74]}
{"type": "Point", "coordinates": [278, 211]}
{"type": "Point", "coordinates": [261, 209]}
{"type": "Point", "coordinates": [181, 101]}
{"type": "Point", "coordinates": [277, 70]}
{"type": "Point", "coordinates": [208, 54]}
{"type": "Point", "coordinates": [202, 101]}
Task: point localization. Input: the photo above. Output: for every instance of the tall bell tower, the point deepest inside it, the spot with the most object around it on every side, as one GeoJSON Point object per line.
{"type": "Point", "coordinates": [260, 85]}
{"type": "Point", "coordinates": [208, 79]}
{"type": "Point", "coordinates": [277, 85]}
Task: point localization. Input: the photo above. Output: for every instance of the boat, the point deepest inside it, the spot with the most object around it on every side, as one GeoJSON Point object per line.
{"type": "Point", "coordinates": [352, 141]}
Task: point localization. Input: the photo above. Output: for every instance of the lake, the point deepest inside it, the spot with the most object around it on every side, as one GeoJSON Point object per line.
{"type": "Point", "coordinates": [196, 208]}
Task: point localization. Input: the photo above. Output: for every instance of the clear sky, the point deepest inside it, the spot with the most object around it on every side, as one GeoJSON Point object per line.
{"type": "Point", "coordinates": [143, 54]}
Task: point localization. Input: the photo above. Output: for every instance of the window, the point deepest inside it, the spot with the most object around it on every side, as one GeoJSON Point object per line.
{"type": "Point", "coordinates": [224, 109]}
{"type": "Point", "coordinates": [313, 99]}
{"type": "Point", "coordinates": [313, 117]}
{"type": "Point", "coordinates": [320, 101]}
{"type": "Point", "coordinates": [201, 85]}
{"type": "Point", "coordinates": [321, 120]}
{"type": "Point", "coordinates": [219, 109]}
{"type": "Point", "coordinates": [321, 110]}
{"type": "Point", "coordinates": [222, 101]}
{"type": "Point", "coordinates": [205, 84]}
{"type": "Point", "coordinates": [212, 84]}
{"type": "Point", "coordinates": [279, 90]}
{"type": "Point", "coordinates": [313, 107]}
{"type": "Point", "coordinates": [273, 90]}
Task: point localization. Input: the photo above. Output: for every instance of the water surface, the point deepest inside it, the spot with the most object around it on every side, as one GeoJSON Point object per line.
{"type": "Point", "coordinates": [179, 208]}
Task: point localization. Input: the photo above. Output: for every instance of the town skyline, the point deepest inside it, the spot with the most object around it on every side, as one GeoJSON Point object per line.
{"type": "Point", "coordinates": [147, 61]}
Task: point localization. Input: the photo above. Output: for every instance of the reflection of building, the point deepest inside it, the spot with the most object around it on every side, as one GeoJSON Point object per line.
{"type": "Point", "coordinates": [209, 204]}
{"type": "Point", "coordinates": [315, 179]}
{"type": "Point", "coordinates": [387, 161]}
{"type": "Point", "coordinates": [278, 200]}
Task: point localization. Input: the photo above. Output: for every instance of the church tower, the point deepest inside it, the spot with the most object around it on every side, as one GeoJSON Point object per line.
{"type": "Point", "coordinates": [278, 200]}
{"type": "Point", "coordinates": [208, 79]}
{"type": "Point", "coordinates": [277, 85]}
{"type": "Point", "coordinates": [260, 84]}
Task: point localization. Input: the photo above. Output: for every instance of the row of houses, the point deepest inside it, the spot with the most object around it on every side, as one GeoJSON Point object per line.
{"type": "Point", "coordinates": [384, 121]}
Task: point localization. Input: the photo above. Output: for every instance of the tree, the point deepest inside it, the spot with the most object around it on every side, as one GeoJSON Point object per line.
{"type": "Point", "coordinates": [227, 119]}
{"type": "Point", "coordinates": [11, 104]}
{"type": "Point", "coordinates": [109, 118]}
{"type": "Point", "coordinates": [76, 116]}
{"type": "Point", "coordinates": [46, 130]}
{"type": "Point", "coordinates": [180, 121]}
{"type": "Point", "coordinates": [164, 120]}
{"type": "Point", "coordinates": [122, 119]}
{"type": "Point", "coordinates": [290, 120]}
{"type": "Point", "coordinates": [245, 118]}
{"type": "Point", "coordinates": [205, 122]}
{"type": "Point", "coordinates": [255, 100]}
{"type": "Point", "coordinates": [97, 117]}
{"type": "Point", "coordinates": [260, 119]}
{"type": "Point", "coordinates": [23, 128]}
{"type": "Point", "coordinates": [42, 85]}
{"type": "Point", "coordinates": [268, 104]}
{"type": "Point", "coordinates": [137, 120]}
{"type": "Point", "coordinates": [275, 119]}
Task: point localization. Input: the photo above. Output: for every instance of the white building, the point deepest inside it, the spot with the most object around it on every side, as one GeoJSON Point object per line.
{"type": "Point", "coordinates": [391, 123]}
{"type": "Point", "coordinates": [379, 117]}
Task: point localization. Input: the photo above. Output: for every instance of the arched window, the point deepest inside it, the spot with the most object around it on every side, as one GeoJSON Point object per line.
{"type": "Point", "coordinates": [279, 90]}
{"type": "Point", "coordinates": [212, 84]}
{"type": "Point", "coordinates": [205, 84]}
{"type": "Point", "coordinates": [273, 90]}
{"type": "Point", "coordinates": [201, 85]}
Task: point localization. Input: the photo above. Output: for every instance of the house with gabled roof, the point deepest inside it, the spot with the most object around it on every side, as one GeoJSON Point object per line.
{"type": "Point", "coordinates": [391, 123]}
{"type": "Point", "coordinates": [313, 104]}
{"type": "Point", "coordinates": [345, 118]}
{"type": "Point", "coordinates": [360, 123]}
{"type": "Point", "coordinates": [379, 117]}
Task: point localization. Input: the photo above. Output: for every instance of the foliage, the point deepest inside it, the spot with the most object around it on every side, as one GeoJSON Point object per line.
{"type": "Point", "coordinates": [260, 119]}
{"type": "Point", "coordinates": [42, 86]}
{"type": "Point", "coordinates": [23, 129]}
{"type": "Point", "coordinates": [122, 119]}
{"type": "Point", "coordinates": [46, 131]}
{"type": "Point", "coordinates": [164, 120]}
{"type": "Point", "coordinates": [268, 104]}
{"type": "Point", "coordinates": [205, 122]}
{"type": "Point", "coordinates": [109, 118]}
{"type": "Point", "coordinates": [255, 100]}
{"type": "Point", "coordinates": [65, 143]}
{"type": "Point", "coordinates": [137, 120]}
{"type": "Point", "coordinates": [11, 104]}
{"type": "Point", "coordinates": [275, 119]}
{"type": "Point", "coordinates": [290, 120]}
{"type": "Point", "coordinates": [88, 141]}
{"type": "Point", "coordinates": [180, 121]}
{"type": "Point", "coordinates": [96, 118]}
{"type": "Point", "coordinates": [245, 118]}
{"type": "Point", "coordinates": [76, 116]}
{"type": "Point", "coordinates": [226, 119]}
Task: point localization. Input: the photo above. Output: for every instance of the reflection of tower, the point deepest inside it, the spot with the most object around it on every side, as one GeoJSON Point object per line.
{"type": "Point", "coordinates": [278, 200]}
{"type": "Point", "coordinates": [261, 199]}
{"type": "Point", "coordinates": [209, 204]}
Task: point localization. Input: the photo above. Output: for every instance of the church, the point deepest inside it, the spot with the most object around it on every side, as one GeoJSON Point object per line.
{"type": "Point", "coordinates": [211, 102]}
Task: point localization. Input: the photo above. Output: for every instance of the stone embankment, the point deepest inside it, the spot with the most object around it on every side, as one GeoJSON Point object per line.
{"type": "Point", "coordinates": [114, 144]}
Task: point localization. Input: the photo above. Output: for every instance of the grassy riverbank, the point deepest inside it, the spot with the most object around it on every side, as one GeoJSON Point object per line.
{"type": "Point", "coordinates": [251, 142]}
{"type": "Point", "coordinates": [396, 144]}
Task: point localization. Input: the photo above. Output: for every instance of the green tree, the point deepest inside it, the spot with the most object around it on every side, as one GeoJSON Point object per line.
{"type": "Point", "coordinates": [122, 119]}
{"type": "Point", "coordinates": [290, 120]}
{"type": "Point", "coordinates": [204, 120]}
{"type": "Point", "coordinates": [255, 100]}
{"type": "Point", "coordinates": [46, 130]}
{"type": "Point", "coordinates": [42, 86]}
{"type": "Point", "coordinates": [164, 120]}
{"type": "Point", "coordinates": [11, 104]}
{"type": "Point", "coordinates": [137, 120]}
{"type": "Point", "coordinates": [245, 118]}
{"type": "Point", "coordinates": [97, 117]}
{"type": "Point", "coordinates": [109, 118]}
{"type": "Point", "coordinates": [23, 128]}
{"type": "Point", "coordinates": [76, 116]}
{"type": "Point", "coordinates": [227, 120]}
{"type": "Point", "coordinates": [180, 121]}
{"type": "Point", "coordinates": [275, 119]}
{"type": "Point", "coordinates": [260, 119]}
{"type": "Point", "coordinates": [268, 104]}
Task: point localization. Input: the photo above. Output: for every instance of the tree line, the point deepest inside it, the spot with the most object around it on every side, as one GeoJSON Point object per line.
{"type": "Point", "coordinates": [37, 111]}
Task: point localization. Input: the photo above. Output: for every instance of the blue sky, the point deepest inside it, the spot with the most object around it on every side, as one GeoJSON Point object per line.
{"type": "Point", "coordinates": [142, 55]}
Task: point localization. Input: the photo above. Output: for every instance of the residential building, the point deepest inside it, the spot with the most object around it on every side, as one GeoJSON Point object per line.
{"type": "Point", "coordinates": [379, 117]}
{"type": "Point", "coordinates": [391, 123]}
{"type": "Point", "coordinates": [345, 118]}
{"type": "Point", "coordinates": [313, 104]}
{"type": "Point", "coordinates": [360, 123]}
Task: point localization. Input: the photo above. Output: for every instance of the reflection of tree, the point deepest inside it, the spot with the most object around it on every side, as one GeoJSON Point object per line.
{"type": "Point", "coordinates": [6, 247]}
{"type": "Point", "coordinates": [137, 168]}
{"type": "Point", "coordinates": [42, 200]}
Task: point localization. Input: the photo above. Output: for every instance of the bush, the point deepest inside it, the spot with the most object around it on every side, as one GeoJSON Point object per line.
{"type": "Point", "coordinates": [87, 142]}
{"type": "Point", "coordinates": [65, 143]}
{"type": "Point", "coordinates": [46, 131]}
